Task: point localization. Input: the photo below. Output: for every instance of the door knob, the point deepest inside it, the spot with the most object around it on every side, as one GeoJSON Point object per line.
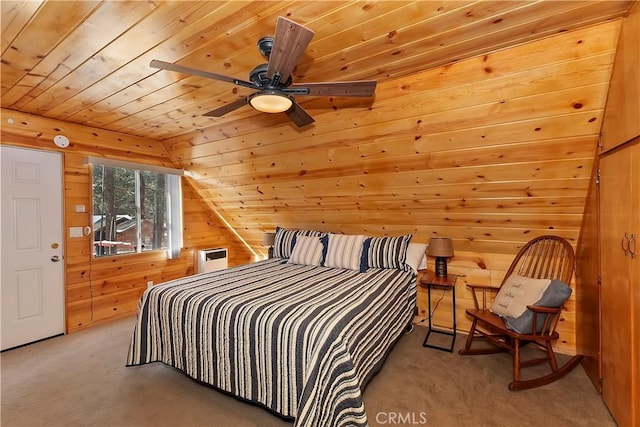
{"type": "Point", "coordinates": [55, 258]}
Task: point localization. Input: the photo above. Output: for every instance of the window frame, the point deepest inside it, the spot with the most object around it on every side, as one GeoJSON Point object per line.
{"type": "Point", "coordinates": [173, 202]}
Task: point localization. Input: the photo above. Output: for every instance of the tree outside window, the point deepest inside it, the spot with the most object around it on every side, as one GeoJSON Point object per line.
{"type": "Point", "coordinates": [129, 210]}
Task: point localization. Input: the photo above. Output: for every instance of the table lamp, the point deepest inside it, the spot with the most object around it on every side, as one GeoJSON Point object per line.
{"type": "Point", "coordinates": [441, 248]}
{"type": "Point", "coordinates": [267, 240]}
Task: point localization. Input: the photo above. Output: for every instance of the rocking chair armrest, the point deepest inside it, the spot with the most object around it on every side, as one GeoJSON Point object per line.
{"type": "Point", "coordinates": [549, 320]}
{"type": "Point", "coordinates": [544, 310]}
{"type": "Point", "coordinates": [483, 289]}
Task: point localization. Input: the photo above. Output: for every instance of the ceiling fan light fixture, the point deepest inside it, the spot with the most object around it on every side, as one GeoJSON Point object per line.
{"type": "Point", "coordinates": [270, 102]}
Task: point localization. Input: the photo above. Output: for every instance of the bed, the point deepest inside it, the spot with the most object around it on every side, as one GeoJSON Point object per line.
{"type": "Point", "coordinates": [300, 339]}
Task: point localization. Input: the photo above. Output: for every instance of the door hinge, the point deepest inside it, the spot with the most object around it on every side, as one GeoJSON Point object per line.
{"type": "Point", "coordinates": [598, 177]}
{"type": "Point", "coordinates": [599, 281]}
{"type": "Point", "coordinates": [600, 138]}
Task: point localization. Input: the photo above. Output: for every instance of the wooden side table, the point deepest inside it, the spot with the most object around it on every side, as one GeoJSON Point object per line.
{"type": "Point", "coordinates": [430, 280]}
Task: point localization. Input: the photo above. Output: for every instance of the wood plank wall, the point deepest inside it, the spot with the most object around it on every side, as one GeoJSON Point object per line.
{"type": "Point", "coordinates": [99, 290]}
{"type": "Point", "coordinates": [490, 151]}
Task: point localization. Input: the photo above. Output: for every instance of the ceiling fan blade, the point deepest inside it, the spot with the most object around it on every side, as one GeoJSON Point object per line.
{"type": "Point", "coordinates": [290, 41]}
{"type": "Point", "coordinates": [299, 116]}
{"type": "Point", "coordinates": [219, 112]}
{"type": "Point", "coordinates": [354, 88]}
{"type": "Point", "coordinates": [206, 74]}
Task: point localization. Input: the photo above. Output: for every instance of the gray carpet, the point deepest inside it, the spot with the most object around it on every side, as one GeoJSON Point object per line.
{"type": "Point", "coordinates": [81, 380]}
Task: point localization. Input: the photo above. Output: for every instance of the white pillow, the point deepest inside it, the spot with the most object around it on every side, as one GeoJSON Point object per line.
{"type": "Point", "coordinates": [307, 251]}
{"type": "Point", "coordinates": [416, 256]}
{"type": "Point", "coordinates": [344, 251]}
{"type": "Point", "coordinates": [517, 293]}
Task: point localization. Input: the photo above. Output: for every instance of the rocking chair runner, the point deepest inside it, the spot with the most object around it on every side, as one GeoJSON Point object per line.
{"type": "Point", "coordinates": [545, 257]}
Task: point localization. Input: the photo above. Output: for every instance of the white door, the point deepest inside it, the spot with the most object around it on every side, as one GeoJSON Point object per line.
{"type": "Point", "coordinates": [32, 266]}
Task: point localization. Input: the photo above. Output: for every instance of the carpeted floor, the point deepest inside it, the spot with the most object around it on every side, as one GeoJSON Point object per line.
{"type": "Point", "coordinates": [81, 380]}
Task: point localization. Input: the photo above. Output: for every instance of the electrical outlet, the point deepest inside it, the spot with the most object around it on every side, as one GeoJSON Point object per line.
{"type": "Point", "coordinates": [149, 284]}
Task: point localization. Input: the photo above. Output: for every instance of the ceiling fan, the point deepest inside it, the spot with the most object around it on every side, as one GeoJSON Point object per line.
{"type": "Point", "coordinates": [272, 82]}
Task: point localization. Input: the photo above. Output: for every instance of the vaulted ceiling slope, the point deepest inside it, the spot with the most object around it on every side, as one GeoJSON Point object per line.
{"type": "Point", "coordinates": [483, 126]}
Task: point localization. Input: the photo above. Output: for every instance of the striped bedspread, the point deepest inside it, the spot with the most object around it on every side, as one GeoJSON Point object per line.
{"type": "Point", "coordinates": [300, 340]}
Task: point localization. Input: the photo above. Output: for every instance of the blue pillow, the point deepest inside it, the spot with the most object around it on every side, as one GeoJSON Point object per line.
{"type": "Point", "coordinates": [554, 296]}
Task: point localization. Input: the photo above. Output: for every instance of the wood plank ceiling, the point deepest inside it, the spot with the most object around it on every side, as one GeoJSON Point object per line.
{"type": "Point", "coordinates": [474, 77]}
{"type": "Point", "coordinates": [88, 61]}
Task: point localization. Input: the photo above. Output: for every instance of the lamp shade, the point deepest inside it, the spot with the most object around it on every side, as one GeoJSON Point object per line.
{"type": "Point", "coordinates": [270, 102]}
{"type": "Point", "coordinates": [268, 239]}
{"type": "Point", "coordinates": [440, 247]}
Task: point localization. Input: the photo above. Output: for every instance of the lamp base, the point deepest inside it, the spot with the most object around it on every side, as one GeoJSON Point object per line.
{"type": "Point", "coordinates": [441, 267]}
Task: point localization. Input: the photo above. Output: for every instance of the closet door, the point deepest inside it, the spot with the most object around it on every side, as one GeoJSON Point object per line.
{"type": "Point", "coordinates": [619, 210]}
{"type": "Point", "coordinates": [635, 284]}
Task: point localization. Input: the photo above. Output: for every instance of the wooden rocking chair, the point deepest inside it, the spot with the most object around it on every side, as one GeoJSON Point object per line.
{"type": "Point", "coordinates": [545, 257]}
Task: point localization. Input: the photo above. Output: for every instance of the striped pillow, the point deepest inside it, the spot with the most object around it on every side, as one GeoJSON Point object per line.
{"type": "Point", "coordinates": [285, 240]}
{"type": "Point", "coordinates": [344, 251]}
{"type": "Point", "coordinates": [386, 252]}
{"type": "Point", "coordinates": [307, 250]}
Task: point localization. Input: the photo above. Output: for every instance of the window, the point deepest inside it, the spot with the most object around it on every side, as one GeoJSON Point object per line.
{"type": "Point", "coordinates": [135, 210]}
